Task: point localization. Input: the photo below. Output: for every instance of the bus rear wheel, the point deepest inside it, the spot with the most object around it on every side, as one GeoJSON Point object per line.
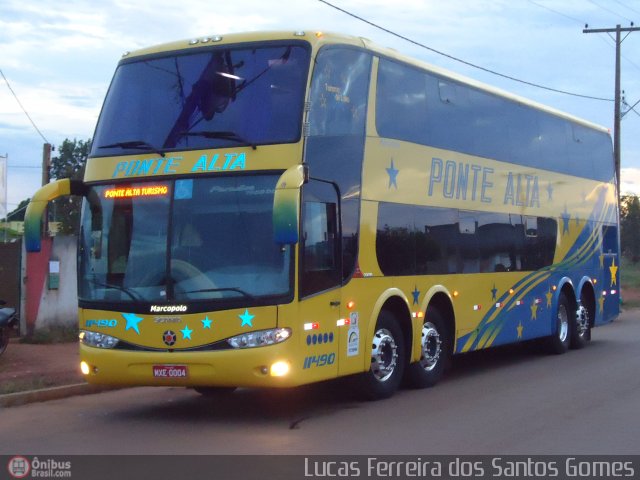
{"type": "Point", "coordinates": [435, 352]}
{"type": "Point", "coordinates": [581, 327]}
{"type": "Point", "coordinates": [559, 341]}
{"type": "Point", "coordinates": [387, 360]}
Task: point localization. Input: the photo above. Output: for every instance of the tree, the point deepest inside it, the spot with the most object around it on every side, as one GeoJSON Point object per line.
{"type": "Point", "coordinates": [69, 163]}
{"type": "Point", "coordinates": [630, 227]}
{"type": "Point", "coordinates": [17, 215]}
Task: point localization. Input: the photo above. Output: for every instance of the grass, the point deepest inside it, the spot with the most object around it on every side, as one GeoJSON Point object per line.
{"type": "Point", "coordinates": [630, 283]}
{"type": "Point", "coordinates": [13, 386]}
{"type": "Point", "coordinates": [630, 274]}
{"type": "Point", "coordinates": [55, 334]}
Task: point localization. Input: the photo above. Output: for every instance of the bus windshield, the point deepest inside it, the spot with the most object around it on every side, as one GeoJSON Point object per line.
{"type": "Point", "coordinates": [185, 240]}
{"type": "Point", "coordinates": [219, 97]}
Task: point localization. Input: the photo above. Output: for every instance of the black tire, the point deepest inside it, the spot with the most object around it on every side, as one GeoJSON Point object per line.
{"type": "Point", "coordinates": [560, 340]}
{"type": "Point", "coordinates": [435, 344]}
{"type": "Point", "coordinates": [4, 339]}
{"type": "Point", "coordinates": [212, 392]}
{"type": "Point", "coordinates": [388, 358]}
{"type": "Point", "coordinates": [581, 324]}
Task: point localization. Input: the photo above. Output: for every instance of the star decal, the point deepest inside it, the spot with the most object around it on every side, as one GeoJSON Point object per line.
{"type": "Point", "coordinates": [520, 328]}
{"type": "Point", "coordinates": [416, 295]}
{"type": "Point", "coordinates": [534, 311]}
{"type": "Point", "coordinates": [550, 191]}
{"type": "Point", "coordinates": [613, 269]}
{"type": "Point", "coordinates": [132, 322]}
{"type": "Point", "coordinates": [246, 318]}
{"type": "Point", "coordinates": [393, 175]}
{"type": "Point", "coordinates": [549, 296]}
{"type": "Point", "coordinates": [601, 303]}
{"type": "Point", "coordinates": [566, 216]}
{"type": "Point", "coordinates": [494, 292]}
{"type": "Point", "coordinates": [186, 333]}
{"type": "Point", "coordinates": [577, 221]}
{"type": "Point", "coordinates": [206, 323]}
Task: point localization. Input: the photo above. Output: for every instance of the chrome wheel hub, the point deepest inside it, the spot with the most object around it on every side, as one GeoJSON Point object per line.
{"type": "Point", "coordinates": [384, 356]}
{"type": "Point", "coordinates": [431, 346]}
{"type": "Point", "coordinates": [563, 323]}
{"type": "Point", "coordinates": [582, 320]}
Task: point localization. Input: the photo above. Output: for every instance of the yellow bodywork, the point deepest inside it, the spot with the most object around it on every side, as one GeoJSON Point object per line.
{"type": "Point", "coordinates": [332, 330]}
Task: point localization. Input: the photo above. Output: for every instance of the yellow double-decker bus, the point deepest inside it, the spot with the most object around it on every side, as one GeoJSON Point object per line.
{"type": "Point", "coordinates": [276, 209]}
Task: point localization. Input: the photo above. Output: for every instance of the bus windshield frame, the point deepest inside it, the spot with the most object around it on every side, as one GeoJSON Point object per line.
{"type": "Point", "coordinates": [207, 242]}
{"type": "Point", "coordinates": [213, 97]}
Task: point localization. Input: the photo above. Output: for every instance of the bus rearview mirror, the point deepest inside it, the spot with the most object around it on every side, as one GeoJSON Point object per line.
{"type": "Point", "coordinates": [286, 205]}
{"type": "Point", "coordinates": [39, 202]}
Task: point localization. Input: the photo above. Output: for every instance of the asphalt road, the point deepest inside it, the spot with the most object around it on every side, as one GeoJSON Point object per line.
{"type": "Point", "coordinates": [513, 400]}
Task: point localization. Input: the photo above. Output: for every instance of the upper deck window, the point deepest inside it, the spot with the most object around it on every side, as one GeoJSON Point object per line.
{"type": "Point", "coordinates": [339, 92]}
{"type": "Point", "coordinates": [221, 97]}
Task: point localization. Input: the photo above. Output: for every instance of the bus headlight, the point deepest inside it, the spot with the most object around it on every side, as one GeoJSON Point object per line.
{"type": "Point", "coordinates": [261, 338]}
{"type": "Point", "coordinates": [95, 339]}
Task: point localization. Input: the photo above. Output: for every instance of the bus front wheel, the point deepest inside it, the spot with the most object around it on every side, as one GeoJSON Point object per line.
{"type": "Point", "coordinates": [387, 360]}
{"type": "Point", "coordinates": [435, 352]}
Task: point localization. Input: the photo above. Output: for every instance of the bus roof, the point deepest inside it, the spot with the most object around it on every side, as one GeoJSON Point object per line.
{"type": "Point", "coordinates": [319, 38]}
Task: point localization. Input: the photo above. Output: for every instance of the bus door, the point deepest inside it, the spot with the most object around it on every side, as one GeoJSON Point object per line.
{"type": "Point", "coordinates": [320, 304]}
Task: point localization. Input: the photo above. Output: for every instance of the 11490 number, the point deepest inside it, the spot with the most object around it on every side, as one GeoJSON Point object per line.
{"type": "Point", "coordinates": [319, 360]}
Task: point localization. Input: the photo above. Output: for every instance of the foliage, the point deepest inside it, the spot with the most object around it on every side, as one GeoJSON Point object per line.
{"type": "Point", "coordinates": [69, 163]}
{"type": "Point", "coordinates": [17, 215]}
{"type": "Point", "coordinates": [630, 227]}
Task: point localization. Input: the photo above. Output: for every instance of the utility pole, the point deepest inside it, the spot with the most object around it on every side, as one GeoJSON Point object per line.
{"type": "Point", "coordinates": [616, 113]}
{"type": "Point", "coordinates": [46, 164]}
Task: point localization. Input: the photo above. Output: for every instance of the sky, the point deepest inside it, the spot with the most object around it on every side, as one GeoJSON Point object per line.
{"type": "Point", "coordinates": [58, 56]}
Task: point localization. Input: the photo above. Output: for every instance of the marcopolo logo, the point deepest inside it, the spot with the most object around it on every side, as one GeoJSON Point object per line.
{"type": "Point", "coordinates": [168, 308]}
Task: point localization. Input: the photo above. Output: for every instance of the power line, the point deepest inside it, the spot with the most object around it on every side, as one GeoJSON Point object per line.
{"type": "Point", "coordinates": [582, 22]}
{"type": "Point", "coordinates": [23, 109]}
{"type": "Point", "coordinates": [557, 12]}
{"type": "Point", "coordinates": [617, 104]}
{"type": "Point", "coordinates": [630, 108]}
{"type": "Point", "coordinates": [484, 69]}
{"type": "Point", "coordinates": [608, 10]}
{"type": "Point", "coordinates": [626, 6]}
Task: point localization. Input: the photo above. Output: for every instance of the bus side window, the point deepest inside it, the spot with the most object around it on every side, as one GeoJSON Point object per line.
{"type": "Point", "coordinates": [609, 239]}
{"type": "Point", "coordinates": [320, 245]}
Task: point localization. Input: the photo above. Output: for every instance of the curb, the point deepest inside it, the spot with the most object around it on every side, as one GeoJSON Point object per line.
{"type": "Point", "coordinates": [53, 393]}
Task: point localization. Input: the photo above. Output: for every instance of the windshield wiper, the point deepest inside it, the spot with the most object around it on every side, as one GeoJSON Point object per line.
{"type": "Point", "coordinates": [228, 289]}
{"type": "Point", "coordinates": [136, 297]}
{"type": "Point", "coordinates": [225, 135]}
{"type": "Point", "coordinates": [136, 144]}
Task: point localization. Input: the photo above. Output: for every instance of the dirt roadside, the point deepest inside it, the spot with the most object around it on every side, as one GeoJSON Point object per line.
{"type": "Point", "coordinates": [31, 367]}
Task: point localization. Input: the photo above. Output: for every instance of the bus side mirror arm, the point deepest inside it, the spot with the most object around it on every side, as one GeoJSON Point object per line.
{"type": "Point", "coordinates": [286, 205]}
{"type": "Point", "coordinates": [38, 204]}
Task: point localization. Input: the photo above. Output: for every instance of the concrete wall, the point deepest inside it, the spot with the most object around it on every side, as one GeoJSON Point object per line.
{"type": "Point", "coordinates": [60, 307]}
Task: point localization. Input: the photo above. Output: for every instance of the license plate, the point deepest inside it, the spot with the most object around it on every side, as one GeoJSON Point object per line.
{"type": "Point", "coordinates": [170, 371]}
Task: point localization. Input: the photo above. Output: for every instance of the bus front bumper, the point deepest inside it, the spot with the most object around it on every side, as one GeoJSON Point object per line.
{"type": "Point", "coordinates": [271, 366]}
